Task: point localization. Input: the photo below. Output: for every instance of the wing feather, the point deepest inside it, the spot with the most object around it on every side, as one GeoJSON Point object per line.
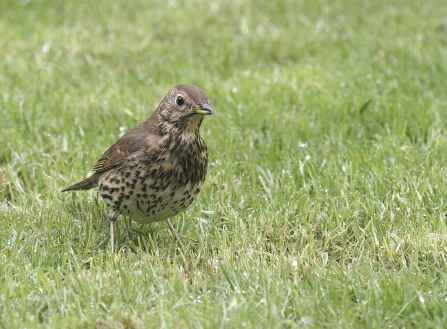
{"type": "Point", "coordinates": [133, 141]}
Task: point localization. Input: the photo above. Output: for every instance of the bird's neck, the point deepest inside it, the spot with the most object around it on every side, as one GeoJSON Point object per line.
{"type": "Point", "coordinates": [189, 126]}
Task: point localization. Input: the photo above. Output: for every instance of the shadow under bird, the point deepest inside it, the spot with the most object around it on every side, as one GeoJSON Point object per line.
{"type": "Point", "coordinates": [155, 170]}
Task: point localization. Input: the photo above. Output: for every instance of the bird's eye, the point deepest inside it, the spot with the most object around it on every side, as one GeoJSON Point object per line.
{"type": "Point", "coordinates": [180, 100]}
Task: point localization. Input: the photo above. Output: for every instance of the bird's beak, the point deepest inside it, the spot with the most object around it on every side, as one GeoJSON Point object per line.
{"type": "Point", "coordinates": [203, 109]}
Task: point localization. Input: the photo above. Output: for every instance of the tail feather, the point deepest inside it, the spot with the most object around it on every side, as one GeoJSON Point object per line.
{"type": "Point", "coordinates": [86, 184]}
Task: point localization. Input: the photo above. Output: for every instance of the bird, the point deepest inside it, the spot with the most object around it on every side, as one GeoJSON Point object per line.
{"type": "Point", "coordinates": [155, 170]}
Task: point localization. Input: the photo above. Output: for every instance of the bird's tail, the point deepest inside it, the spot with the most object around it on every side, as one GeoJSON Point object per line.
{"type": "Point", "coordinates": [86, 184]}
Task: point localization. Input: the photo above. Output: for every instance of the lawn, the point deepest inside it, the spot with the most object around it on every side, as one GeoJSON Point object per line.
{"type": "Point", "coordinates": [325, 204]}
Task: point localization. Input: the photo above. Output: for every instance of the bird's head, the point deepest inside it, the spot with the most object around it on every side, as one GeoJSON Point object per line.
{"type": "Point", "coordinates": [184, 107]}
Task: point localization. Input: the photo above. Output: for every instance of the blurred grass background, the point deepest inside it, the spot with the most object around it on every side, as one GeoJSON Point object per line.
{"type": "Point", "coordinates": [324, 205]}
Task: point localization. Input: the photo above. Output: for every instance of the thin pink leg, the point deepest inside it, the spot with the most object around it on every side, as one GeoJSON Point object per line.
{"type": "Point", "coordinates": [176, 236]}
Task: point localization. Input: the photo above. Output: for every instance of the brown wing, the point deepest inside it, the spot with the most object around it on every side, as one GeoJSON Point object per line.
{"type": "Point", "coordinates": [131, 142]}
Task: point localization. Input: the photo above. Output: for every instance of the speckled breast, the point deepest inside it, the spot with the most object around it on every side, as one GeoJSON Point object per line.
{"type": "Point", "coordinates": [155, 186]}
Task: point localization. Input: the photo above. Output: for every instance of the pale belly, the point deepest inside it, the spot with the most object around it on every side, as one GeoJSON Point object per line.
{"type": "Point", "coordinates": [151, 206]}
{"type": "Point", "coordinates": [164, 206]}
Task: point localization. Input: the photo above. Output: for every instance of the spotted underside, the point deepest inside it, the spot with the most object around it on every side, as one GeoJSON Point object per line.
{"type": "Point", "coordinates": [157, 183]}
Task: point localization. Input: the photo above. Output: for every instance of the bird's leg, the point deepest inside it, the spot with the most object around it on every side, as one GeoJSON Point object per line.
{"type": "Point", "coordinates": [113, 215]}
{"type": "Point", "coordinates": [176, 236]}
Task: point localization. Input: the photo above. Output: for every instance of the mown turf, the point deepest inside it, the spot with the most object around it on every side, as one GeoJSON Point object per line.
{"type": "Point", "coordinates": [325, 203]}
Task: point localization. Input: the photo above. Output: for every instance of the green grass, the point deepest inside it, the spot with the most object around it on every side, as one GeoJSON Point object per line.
{"type": "Point", "coordinates": [326, 199]}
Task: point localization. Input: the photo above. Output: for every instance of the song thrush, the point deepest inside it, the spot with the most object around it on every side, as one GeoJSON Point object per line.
{"type": "Point", "coordinates": [156, 169]}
